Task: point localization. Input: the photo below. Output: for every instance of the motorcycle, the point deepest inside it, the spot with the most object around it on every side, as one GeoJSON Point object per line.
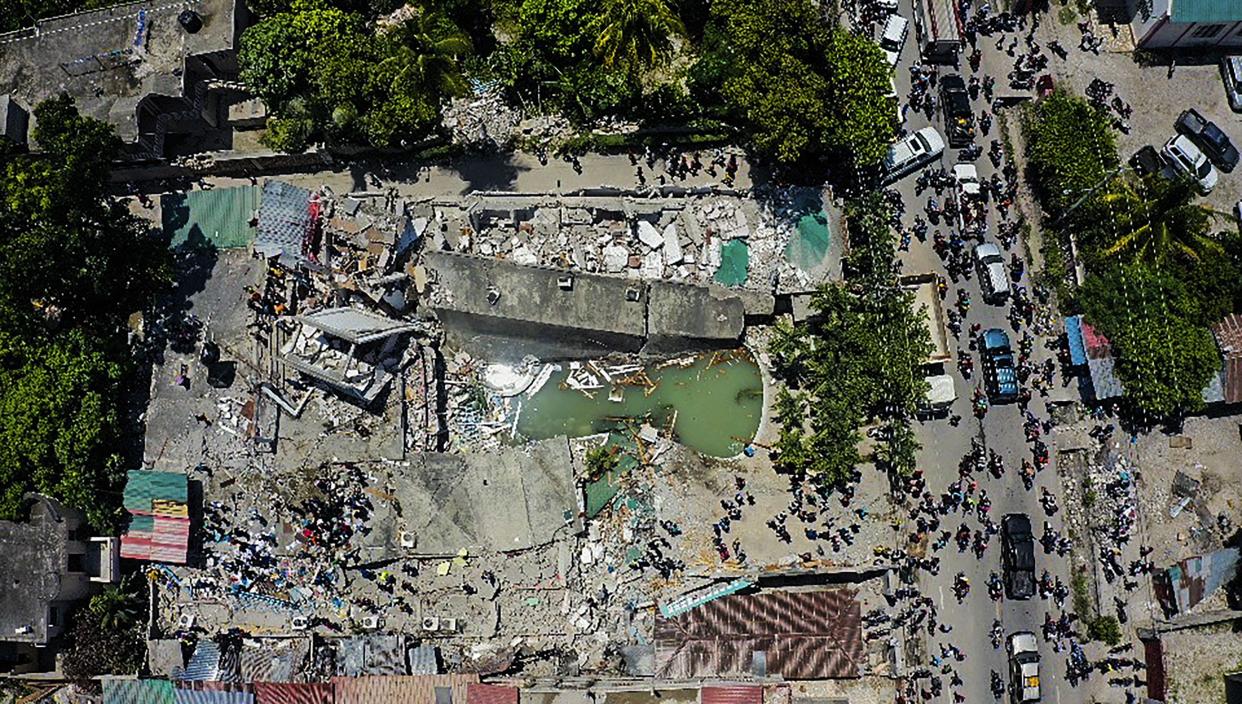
{"type": "Point", "coordinates": [998, 687]}
{"type": "Point", "coordinates": [995, 634]}
{"type": "Point", "coordinates": [995, 590]}
{"type": "Point", "coordinates": [1048, 501]}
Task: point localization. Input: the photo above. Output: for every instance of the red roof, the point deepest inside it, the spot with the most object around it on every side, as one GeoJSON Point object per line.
{"type": "Point", "coordinates": [1098, 346]}
{"type": "Point", "coordinates": [797, 635]}
{"type": "Point", "coordinates": [734, 694]}
{"type": "Point", "coordinates": [293, 693]}
{"type": "Point", "coordinates": [478, 693]}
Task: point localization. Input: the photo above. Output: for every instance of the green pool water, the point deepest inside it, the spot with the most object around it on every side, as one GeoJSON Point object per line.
{"type": "Point", "coordinates": [718, 402]}
{"type": "Point", "coordinates": [809, 244]}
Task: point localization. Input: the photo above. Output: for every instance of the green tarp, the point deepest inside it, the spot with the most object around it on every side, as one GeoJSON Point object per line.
{"type": "Point", "coordinates": [219, 216]}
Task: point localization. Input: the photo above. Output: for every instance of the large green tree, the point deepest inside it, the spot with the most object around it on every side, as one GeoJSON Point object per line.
{"type": "Point", "coordinates": [1164, 357]}
{"type": "Point", "coordinates": [805, 88]}
{"type": "Point", "coordinates": [1071, 148]}
{"type": "Point", "coordinates": [69, 255]}
{"type": "Point", "coordinates": [74, 264]}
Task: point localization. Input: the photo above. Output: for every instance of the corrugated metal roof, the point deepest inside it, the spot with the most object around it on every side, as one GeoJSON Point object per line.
{"type": "Point", "coordinates": [138, 692]}
{"type": "Point", "coordinates": [1182, 586]}
{"type": "Point", "coordinates": [204, 664]}
{"type": "Point", "coordinates": [408, 689]}
{"type": "Point", "coordinates": [1207, 11]}
{"type": "Point", "coordinates": [1228, 334]}
{"type": "Point", "coordinates": [424, 660]}
{"type": "Point", "coordinates": [284, 221]}
{"type": "Point", "coordinates": [371, 655]}
{"type": "Point", "coordinates": [733, 694]}
{"type": "Point", "coordinates": [273, 659]}
{"type": "Point", "coordinates": [477, 693]}
{"type": "Point", "coordinates": [293, 693]}
{"type": "Point", "coordinates": [196, 696]}
{"type": "Point", "coordinates": [800, 635]}
{"type": "Point", "coordinates": [143, 487]}
{"type": "Point", "coordinates": [1104, 381]}
{"type": "Point", "coordinates": [220, 216]}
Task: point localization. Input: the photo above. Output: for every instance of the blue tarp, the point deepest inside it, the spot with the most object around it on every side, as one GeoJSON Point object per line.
{"type": "Point", "coordinates": [1077, 347]}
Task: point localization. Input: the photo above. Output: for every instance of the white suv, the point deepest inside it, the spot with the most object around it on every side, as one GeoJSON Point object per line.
{"type": "Point", "coordinates": [894, 38]}
{"type": "Point", "coordinates": [1188, 159]}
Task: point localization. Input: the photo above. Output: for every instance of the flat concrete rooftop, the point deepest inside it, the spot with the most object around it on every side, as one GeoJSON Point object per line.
{"type": "Point", "coordinates": [110, 61]}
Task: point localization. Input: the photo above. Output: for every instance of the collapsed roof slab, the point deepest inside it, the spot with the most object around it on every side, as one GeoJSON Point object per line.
{"type": "Point", "coordinates": [511, 500]}
{"type": "Point", "coordinates": [487, 304]}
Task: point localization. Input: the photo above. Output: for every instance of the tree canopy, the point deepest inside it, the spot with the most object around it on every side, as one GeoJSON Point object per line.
{"type": "Point", "coordinates": [805, 88]}
{"type": "Point", "coordinates": [1164, 356]}
{"type": "Point", "coordinates": [327, 73]}
{"type": "Point", "coordinates": [74, 264]}
{"type": "Point", "coordinates": [855, 360]}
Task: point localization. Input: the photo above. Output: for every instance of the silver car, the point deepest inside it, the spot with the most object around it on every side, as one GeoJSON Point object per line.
{"type": "Point", "coordinates": [1231, 72]}
{"type": "Point", "coordinates": [1186, 157]}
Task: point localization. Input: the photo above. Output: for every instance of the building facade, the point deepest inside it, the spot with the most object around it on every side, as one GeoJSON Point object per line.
{"type": "Point", "coordinates": [1190, 24]}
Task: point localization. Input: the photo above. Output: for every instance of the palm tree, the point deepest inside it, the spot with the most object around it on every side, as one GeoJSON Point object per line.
{"type": "Point", "coordinates": [116, 606]}
{"type": "Point", "coordinates": [1159, 218]}
{"type": "Point", "coordinates": [637, 33]}
{"type": "Point", "coordinates": [427, 55]}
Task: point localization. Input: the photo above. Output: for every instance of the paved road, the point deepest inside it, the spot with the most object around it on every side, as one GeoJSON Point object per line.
{"type": "Point", "coordinates": [1000, 430]}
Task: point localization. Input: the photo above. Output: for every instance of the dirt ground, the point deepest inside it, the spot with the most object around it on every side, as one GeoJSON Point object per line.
{"type": "Point", "coordinates": [1196, 662]}
{"type": "Point", "coordinates": [1212, 459]}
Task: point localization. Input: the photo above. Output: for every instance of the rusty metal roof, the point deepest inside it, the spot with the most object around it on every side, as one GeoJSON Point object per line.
{"type": "Point", "coordinates": [407, 689]}
{"type": "Point", "coordinates": [732, 694]}
{"type": "Point", "coordinates": [1229, 337]}
{"type": "Point", "coordinates": [797, 635]}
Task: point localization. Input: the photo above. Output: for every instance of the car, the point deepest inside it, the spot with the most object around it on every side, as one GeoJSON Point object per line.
{"type": "Point", "coordinates": [913, 152]}
{"type": "Point", "coordinates": [893, 38]}
{"type": "Point", "coordinates": [959, 119]}
{"type": "Point", "coordinates": [1000, 379]}
{"type": "Point", "coordinates": [1209, 138]}
{"type": "Point", "coordinates": [993, 276]}
{"type": "Point", "coordinates": [1018, 556]}
{"type": "Point", "coordinates": [1184, 156]}
{"type": "Point", "coordinates": [1023, 667]}
{"type": "Point", "coordinates": [1231, 72]}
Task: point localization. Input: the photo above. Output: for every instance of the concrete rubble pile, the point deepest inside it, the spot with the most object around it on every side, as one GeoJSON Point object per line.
{"type": "Point", "coordinates": [672, 238]}
{"type": "Point", "coordinates": [485, 118]}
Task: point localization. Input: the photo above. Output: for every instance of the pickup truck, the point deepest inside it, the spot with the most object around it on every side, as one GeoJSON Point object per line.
{"type": "Point", "coordinates": [972, 212]}
{"type": "Point", "coordinates": [959, 119]}
{"type": "Point", "coordinates": [1000, 379]}
{"type": "Point", "coordinates": [1018, 556]}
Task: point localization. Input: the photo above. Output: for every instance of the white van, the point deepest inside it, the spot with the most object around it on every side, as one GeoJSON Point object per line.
{"type": "Point", "coordinates": [894, 37]}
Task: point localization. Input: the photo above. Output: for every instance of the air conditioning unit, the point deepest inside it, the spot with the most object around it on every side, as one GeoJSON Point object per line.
{"type": "Point", "coordinates": [300, 623]}
{"type": "Point", "coordinates": [185, 622]}
{"type": "Point", "coordinates": [566, 283]}
{"type": "Point", "coordinates": [407, 539]}
{"type": "Point", "coordinates": [448, 625]}
{"type": "Point", "coordinates": [431, 624]}
{"type": "Point", "coordinates": [370, 623]}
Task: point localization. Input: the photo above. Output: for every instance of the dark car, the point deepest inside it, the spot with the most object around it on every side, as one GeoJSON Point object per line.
{"type": "Point", "coordinates": [959, 119]}
{"type": "Point", "coordinates": [1018, 556]}
{"type": "Point", "coordinates": [1000, 379]}
{"type": "Point", "coordinates": [1208, 137]}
